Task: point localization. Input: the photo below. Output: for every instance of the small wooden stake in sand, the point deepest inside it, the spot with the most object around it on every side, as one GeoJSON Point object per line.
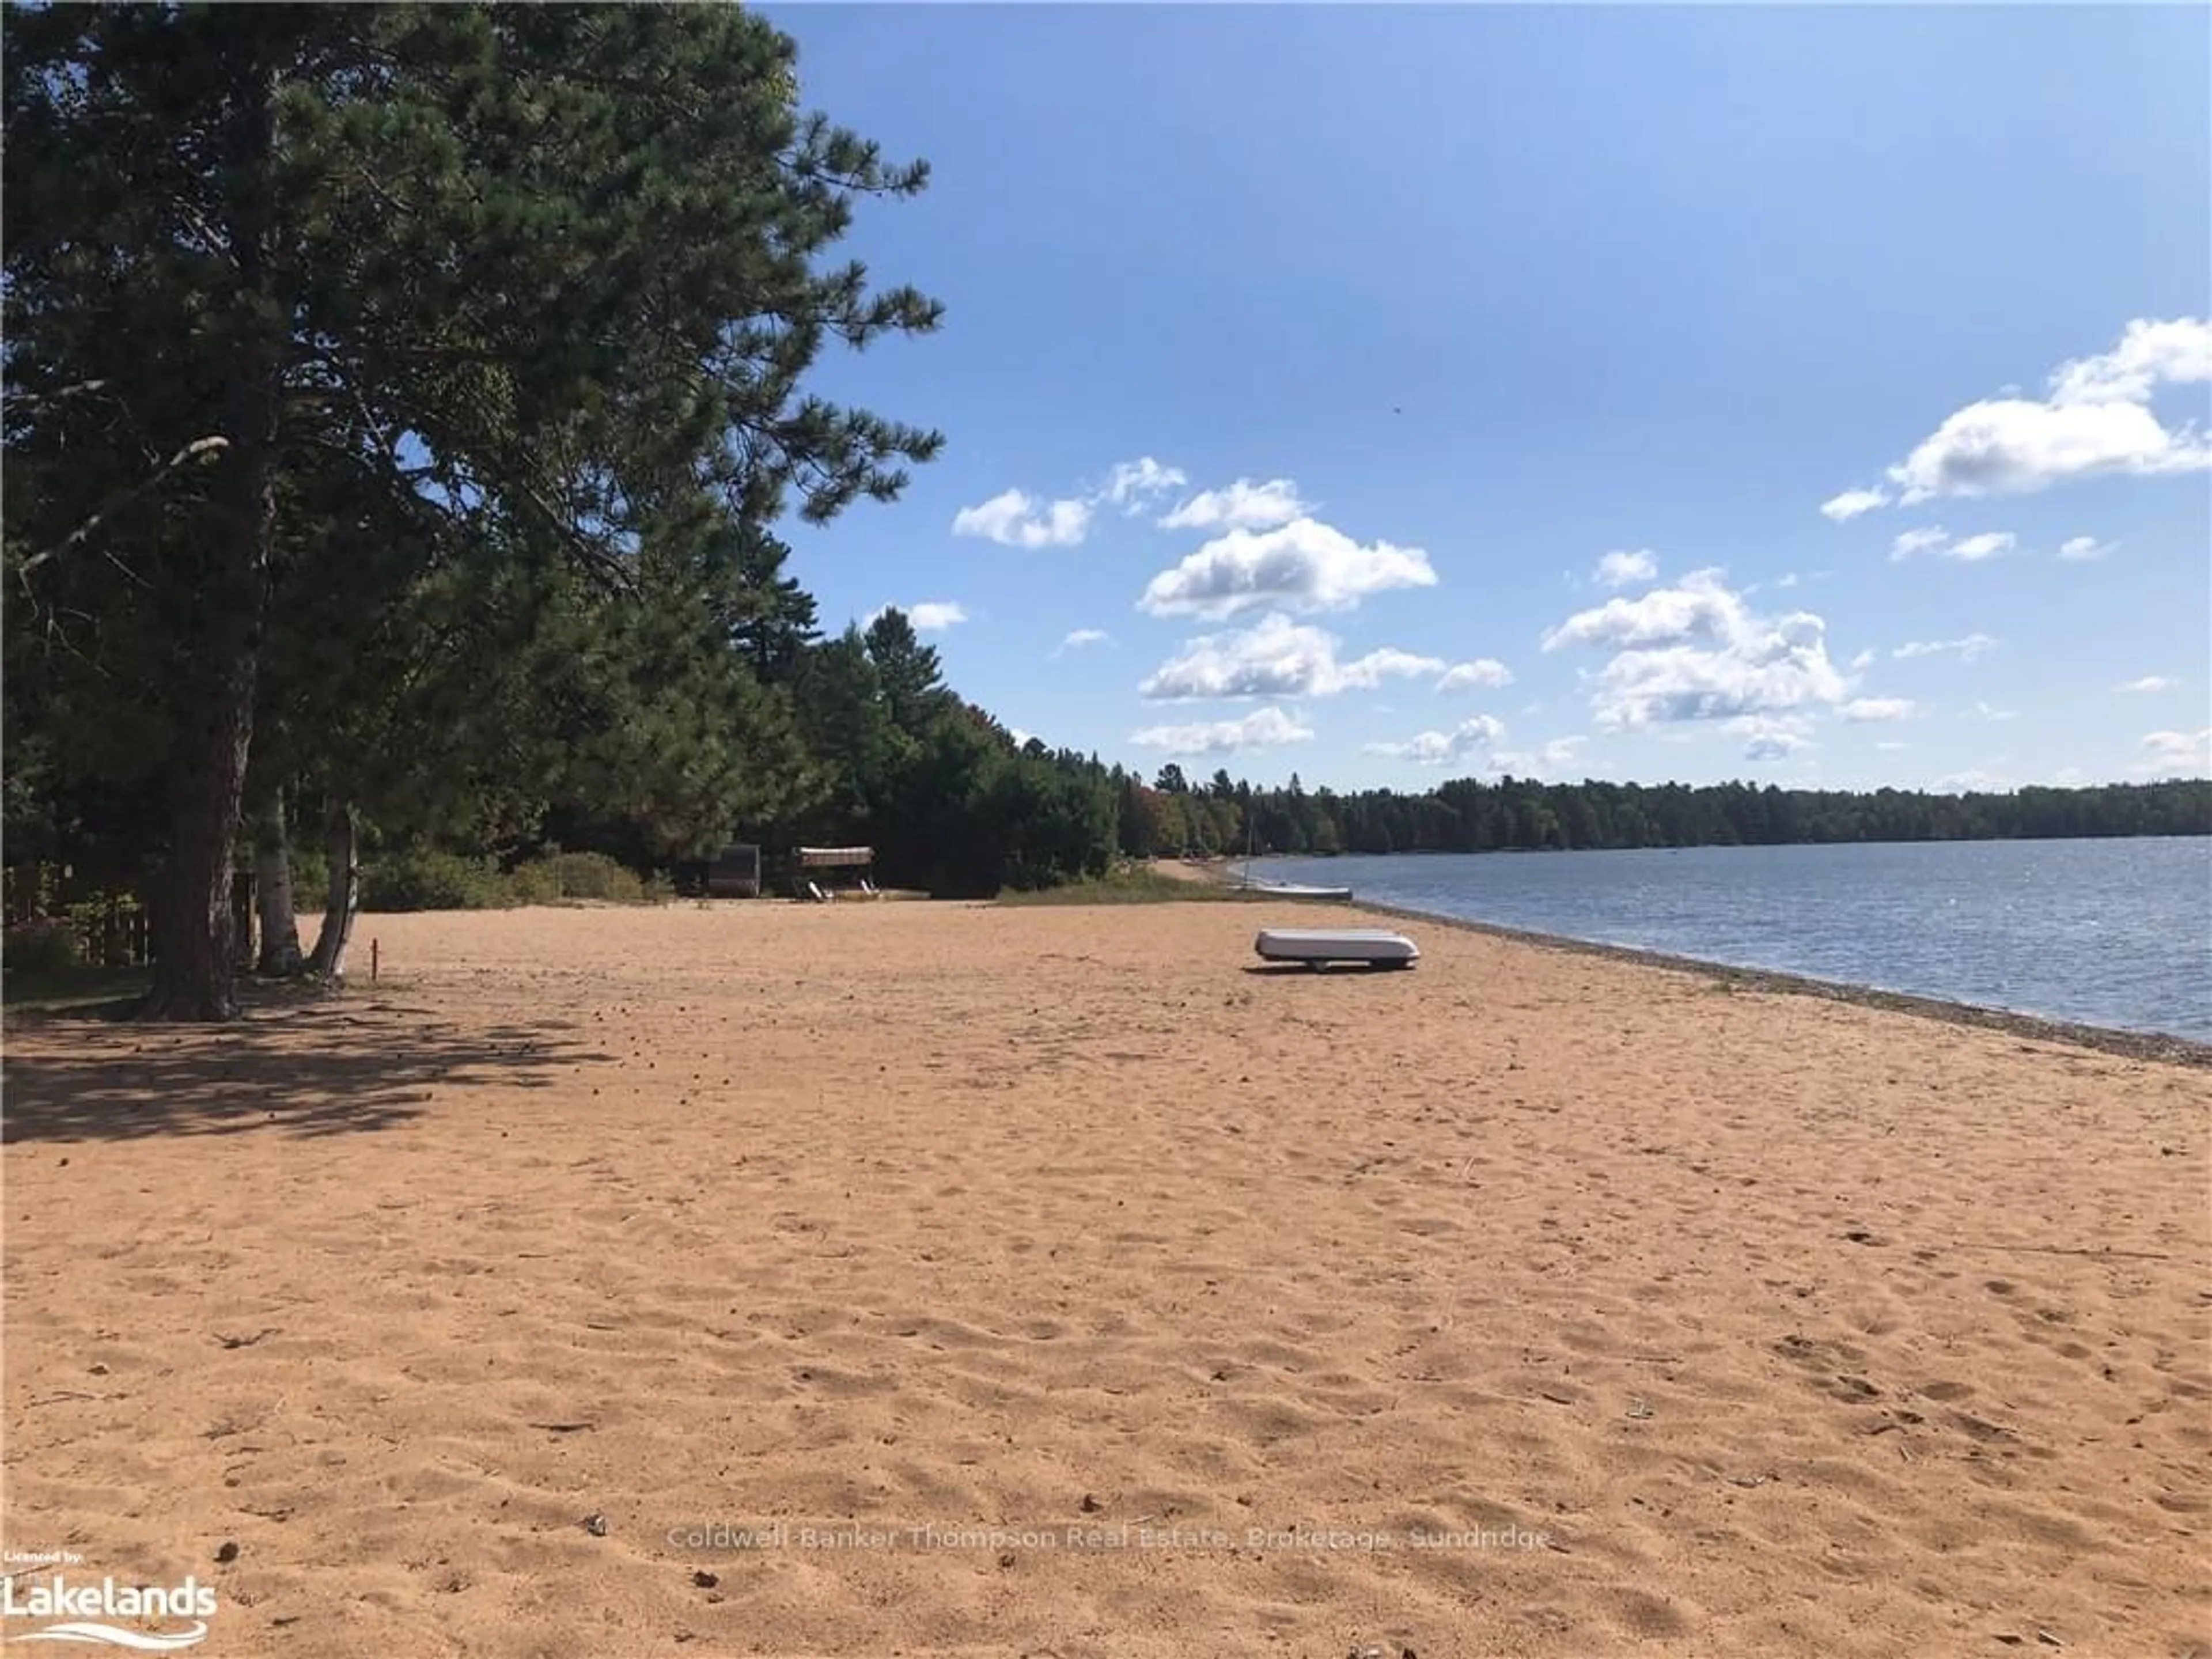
{"type": "Point", "coordinates": [372, 961]}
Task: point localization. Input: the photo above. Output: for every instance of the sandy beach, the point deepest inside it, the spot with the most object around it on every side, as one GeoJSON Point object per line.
{"type": "Point", "coordinates": [1050, 1282]}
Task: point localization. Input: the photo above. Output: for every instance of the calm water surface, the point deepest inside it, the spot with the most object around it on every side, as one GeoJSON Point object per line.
{"type": "Point", "coordinates": [2108, 932]}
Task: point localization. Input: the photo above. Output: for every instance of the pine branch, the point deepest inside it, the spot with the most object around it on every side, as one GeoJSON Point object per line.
{"type": "Point", "coordinates": [595, 557]}
{"type": "Point", "coordinates": [37, 402]}
{"type": "Point", "coordinates": [200, 451]}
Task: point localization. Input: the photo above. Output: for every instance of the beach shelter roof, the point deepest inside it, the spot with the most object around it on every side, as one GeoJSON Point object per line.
{"type": "Point", "coordinates": [818, 858]}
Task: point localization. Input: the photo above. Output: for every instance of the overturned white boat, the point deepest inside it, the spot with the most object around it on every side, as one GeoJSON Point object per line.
{"type": "Point", "coordinates": [1317, 947]}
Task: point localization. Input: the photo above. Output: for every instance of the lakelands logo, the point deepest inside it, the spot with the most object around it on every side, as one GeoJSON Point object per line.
{"type": "Point", "coordinates": [90, 1613]}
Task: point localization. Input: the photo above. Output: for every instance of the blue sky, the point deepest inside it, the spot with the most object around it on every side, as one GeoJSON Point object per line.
{"type": "Point", "coordinates": [1470, 299]}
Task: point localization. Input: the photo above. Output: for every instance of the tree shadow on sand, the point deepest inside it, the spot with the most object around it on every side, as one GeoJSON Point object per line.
{"type": "Point", "coordinates": [298, 1067]}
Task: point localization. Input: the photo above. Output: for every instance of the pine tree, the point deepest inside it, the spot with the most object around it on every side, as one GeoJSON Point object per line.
{"type": "Point", "coordinates": [541, 270]}
{"type": "Point", "coordinates": [907, 671]}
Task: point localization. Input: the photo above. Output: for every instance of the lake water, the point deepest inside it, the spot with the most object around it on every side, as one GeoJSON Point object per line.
{"type": "Point", "coordinates": [2106, 932]}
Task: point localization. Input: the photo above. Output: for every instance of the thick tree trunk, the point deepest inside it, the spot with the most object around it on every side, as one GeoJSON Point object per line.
{"type": "Point", "coordinates": [195, 943]}
{"type": "Point", "coordinates": [343, 845]}
{"type": "Point", "coordinates": [195, 965]}
{"type": "Point", "coordinates": [272, 889]}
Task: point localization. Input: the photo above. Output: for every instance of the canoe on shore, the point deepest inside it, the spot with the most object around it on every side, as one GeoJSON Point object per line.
{"type": "Point", "coordinates": [1296, 889]}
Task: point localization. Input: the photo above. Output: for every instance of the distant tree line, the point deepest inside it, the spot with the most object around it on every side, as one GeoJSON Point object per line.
{"type": "Point", "coordinates": [1173, 816]}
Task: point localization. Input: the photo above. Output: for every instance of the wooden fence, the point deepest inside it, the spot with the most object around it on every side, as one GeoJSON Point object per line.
{"type": "Point", "coordinates": [110, 912]}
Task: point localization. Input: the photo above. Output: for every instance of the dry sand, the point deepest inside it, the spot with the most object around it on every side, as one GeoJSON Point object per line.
{"type": "Point", "coordinates": [1790, 1327]}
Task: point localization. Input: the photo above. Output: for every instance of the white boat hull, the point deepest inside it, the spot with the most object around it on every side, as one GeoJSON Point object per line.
{"type": "Point", "coordinates": [1316, 947]}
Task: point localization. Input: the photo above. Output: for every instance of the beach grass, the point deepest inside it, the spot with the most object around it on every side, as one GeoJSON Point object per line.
{"type": "Point", "coordinates": [1138, 887]}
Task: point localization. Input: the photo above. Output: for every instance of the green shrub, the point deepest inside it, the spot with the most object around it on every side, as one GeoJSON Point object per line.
{"type": "Point", "coordinates": [426, 879]}
{"type": "Point", "coordinates": [596, 876]}
{"type": "Point", "coordinates": [535, 883]}
{"type": "Point", "coordinates": [40, 946]}
{"type": "Point", "coordinates": [576, 876]}
{"type": "Point", "coordinates": [429, 879]}
{"type": "Point", "coordinates": [1135, 885]}
{"type": "Point", "coordinates": [311, 877]}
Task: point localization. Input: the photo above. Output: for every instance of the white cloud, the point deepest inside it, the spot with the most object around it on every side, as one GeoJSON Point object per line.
{"type": "Point", "coordinates": [1263, 728]}
{"type": "Point", "coordinates": [1482, 672]}
{"type": "Point", "coordinates": [1619, 569]}
{"type": "Point", "coordinates": [2177, 753]}
{"type": "Point", "coordinates": [1861, 709]}
{"type": "Point", "coordinates": [1971, 646]}
{"type": "Point", "coordinates": [1082, 636]}
{"type": "Point", "coordinates": [1014, 518]}
{"type": "Point", "coordinates": [2084, 549]}
{"type": "Point", "coordinates": [1864, 660]}
{"type": "Point", "coordinates": [2149, 683]}
{"type": "Point", "coordinates": [1700, 606]}
{"type": "Point", "coordinates": [1551, 761]}
{"type": "Point", "coordinates": [1277, 659]}
{"type": "Point", "coordinates": [2148, 354]}
{"type": "Point", "coordinates": [1980, 780]}
{"type": "Point", "coordinates": [2096, 418]}
{"type": "Point", "coordinates": [1975, 548]}
{"type": "Point", "coordinates": [1304, 565]}
{"type": "Point", "coordinates": [1780, 671]}
{"type": "Point", "coordinates": [1365, 673]}
{"type": "Point", "coordinates": [1842, 509]}
{"type": "Point", "coordinates": [2011, 447]}
{"type": "Point", "coordinates": [1133, 485]}
{"type": "Point", "coordinates": [1243, 505]}
{"type": "Point", "coordinates": [1990, 712]}
{"type": "Point", "coordinates": [1773, 736]}
{"type": "Point", "coordinates": [935, 616]}
{"type": "Point", "coordinates": [1695, 651]}
{"type": "Point", "coordinates": [1786, 667]}
{"type": "Point", "coordinates": [1937, 540]}
{"type": "Point", "coordinates": [1439, 748]}
{"type": "Point", "coordinates": [927, 617]}
{"type": "Point", "coordinates": [1892, 746]}
{"type": "Point", "coordinates": [1021, 738]}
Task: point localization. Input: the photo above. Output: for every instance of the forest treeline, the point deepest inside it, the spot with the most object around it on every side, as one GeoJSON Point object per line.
{"type": "Point", "coordinates": [1467, 815]}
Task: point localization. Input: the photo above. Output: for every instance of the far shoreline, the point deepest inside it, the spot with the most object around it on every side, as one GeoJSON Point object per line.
{"type": "Point", "coordinates": [2161, 1047]}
